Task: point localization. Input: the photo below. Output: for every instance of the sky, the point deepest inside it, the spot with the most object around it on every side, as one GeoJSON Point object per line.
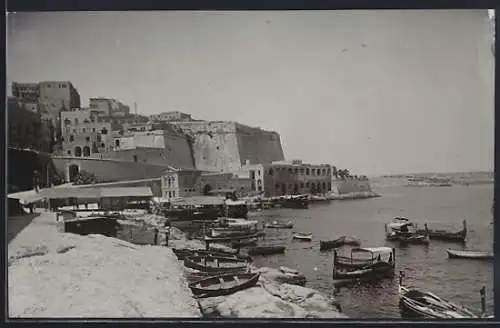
{"type": "Point", "coordinates": [377, 92]}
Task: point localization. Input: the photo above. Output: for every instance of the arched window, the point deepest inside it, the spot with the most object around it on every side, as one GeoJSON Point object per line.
{"type": "Point", "coordinates": [302, 171]}
{"type": "Point", "coordinates": [117, 142]}
{"type": "Point", "coordinates": [104, 131]}
{"type": "Point", "coordinates": [319, 171]}
{"type": "Point", "coordinates": [296, 170]}
{"type": "Point", "coordinates": [324, 185]}
{"type": "Point", "coordinates": [78, 151]}
{"type": "Point", "coordinates": [271, 172]}
{"type": "Point", "coordinates": [329, 186]}
{"type": "Point", "coordinates": [307, 171]}
{"type": "Point", "coordinates": [71, 138]}
{"type": "Point", "coordinates": [86, 151]}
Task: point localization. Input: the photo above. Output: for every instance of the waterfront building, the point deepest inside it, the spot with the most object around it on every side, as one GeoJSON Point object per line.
{"type": "Point", "coordinates": [288, 177]}
{"type": "Point", "coordinates": [83, 134]}
{"type": "Point", "coordinates": [188, 183]}
{"type": "Point", "coordinates": [171, 116]}
{"type": "Point", "coordinates": [109, 107]}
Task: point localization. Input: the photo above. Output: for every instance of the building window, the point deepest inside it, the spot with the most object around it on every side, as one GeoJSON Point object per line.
{"type": "Point", "coordinates": [173, 193]}
{"type": "Point", "coordinates": [302, 171]}
{"type": "Point", "coordinates": [68, 130]}
{"type": "Point", "coordinates": [307, 171]}
{"type": "Point", "coordinates": [290, 170]}
{"type": "Point", "coordinates": [117, 143]}
{"type": "Point", "coordinates": [296, 170]}
{"type": "Point", "coordinates": [78, 151]}
{"type": "Point", "coordinates": [93, 130]}
{"type": "Point", "coordinates": [74, 130]}
{"type": "Point", "coordinates": [278, 186]}
{"type": "Point", "coordinates": [103, 145]}
{"type": "Point", "coordinates": [252, 174]}
{"type": "Point", "coordinates": [69, 152]}
{"type": "Point", "coordinates": [328, 172]}
{"type": "Point", "coordinates": [169, 194]}
{"type": "Point", "coordinates": [260, 188]}
{"type": "Point", "coordinates": [271, 171]}
{"type": "Point", "coordinates": [76, 121]}
{"type": "Point", "coordinates": [104, 131]}
{"type": "Point", "coordinates": [87, 139]}
{"type": "Point", "coordinates": [302, 185]}
{"type": "Point", "coordinates": [135, 158]}
{"type": "Point", "coordinates": [63, 86]}
{"type": "Point", "coordinates": [319, 172]}
{"type": "Point", "coordinates": [83, 130]}
{"type": "Point", "coordinates": [307, 185]}
{"type": "Point", "coordinates": [86, 151]}
{"type": "Point", "coordinates": [324, 185]}
{"type": "Point", "coordinates": [71, 138]}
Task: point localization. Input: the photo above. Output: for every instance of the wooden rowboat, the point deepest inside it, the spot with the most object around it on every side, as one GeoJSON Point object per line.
{"type": "Point", "coordinates": [224, 284]}
{"type": "Point", "coordinates": [243, 242]}
{"type": "Point", "coordinates": [302, 236]}
{"type": "Point", "coordinates": [213, 263]}
{"type": "Point", "coordinates": [344, 240]}
{"type": "Point", "coordinates": [425, 304]}
{"type": "Point", "coordinates": [458, 236]}
{"type": "Point", "coordinates": [182, 253]}
{"type": "Point", "coordinates": [266, 250]}
{"type": "Point", "coordinates": [279, 225]}
{"type": "Point", "coordinates": [473, 255]}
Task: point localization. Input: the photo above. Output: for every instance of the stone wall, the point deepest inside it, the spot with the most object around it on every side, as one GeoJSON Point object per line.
{"type": "Point", "coordinates": [350, 186]}
{"type": "Point", "coordinates": [225, 146]}
{"type": "Point", "coordinates": [257, 145]}
{"type": "Point", "coordinates": [154, 184]}
{"type": "Point", "coordinates": [110, 170]}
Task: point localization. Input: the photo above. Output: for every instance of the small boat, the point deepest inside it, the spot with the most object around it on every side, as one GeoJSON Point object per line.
{"type": "Point", "coordinates": [297, 202]}
{"type": "Point", "coordinates": [279, 225]}
{"type": "Point", "coordinates": [213, 263]}
{"type": "Point", "coordinates": [224, 284]}
{"type": "Point", "coordinates": [244, 242]}
{"type": "Point", "coordinates": [182, 253]}
{"type": "Point", "coordinates": [425, 304]}
{"type": "Point", "coordinates": [344, 240]}
{"type": "Point", "coordinates": [458, 236]}
{"type": "Point", "coordinates": [266, 250]}
{"type": "Point", "coordinates": [287, 270]}
{"type": "Point", "coordinates": [405, 232]}
{"type": "Point", "coordinates": [221, 232]}
{"type": "Point", "coordinates": [414, 239]}
{"type": "Point", "coordinates": [475, 255]}
{"type": "Point", "coordinates": [381, 263]}
{"type": "Point", "coordinates": [302, 236]}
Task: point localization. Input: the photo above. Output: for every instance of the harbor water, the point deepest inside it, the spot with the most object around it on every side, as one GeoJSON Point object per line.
{"type": "Point", "coordinates": [426, 267]}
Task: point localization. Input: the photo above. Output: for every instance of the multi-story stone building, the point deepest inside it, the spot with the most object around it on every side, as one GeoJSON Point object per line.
{"type": "Point", "coordinates": [109, 107]}
{"type": "Point", "coordinates": [84, 134]}
{"type": "Point", "coordinates": [171, 116]}
{"type": "Point", "coordinates": [286, 178]}
{"type": "Point", "coordinates": [188, 183]}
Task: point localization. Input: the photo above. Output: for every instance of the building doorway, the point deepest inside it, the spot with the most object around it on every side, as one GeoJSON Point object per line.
{"type": "Point", "coordinates": [73, 172]}
{"type": "Point", "coordinates": [206, 189]}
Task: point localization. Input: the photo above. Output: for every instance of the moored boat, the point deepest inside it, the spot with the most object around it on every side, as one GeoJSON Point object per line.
{"type": "Point", "coordinates": [244, 242]}
{"type": "Point", "coordinates": [279, 225]}
{"type": "Point", "coordinates": [213, 263]}
{"type": "Point", "coordinates": [380, 264]}
{"type": "Point", "coordinates": [298, 202]}
{"type": "Point", "coordinates": [472, 255]}
{"type": "Point", "coordinates": [224, 284]}
{"type": "Point", "coordinates": [302, 236]}
{"type": "Point", "coordinates": [428, 305]}
{"type": "Point", "coordinates": [182, 253]}
{"type": "Point", "coordinates": [458, 236]}
{"type": "Point", "coordinates": [266, 250]}
{"type": "Point", "coordinates": [344, 240]}
{"type": "Point", "coordinates": [405, 232]}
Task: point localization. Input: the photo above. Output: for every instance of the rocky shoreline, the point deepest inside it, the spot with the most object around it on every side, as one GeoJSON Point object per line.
{"type": "Point", "coordinates": [278, 294]}
{"type": "Point", "coordinates": [54, 274]}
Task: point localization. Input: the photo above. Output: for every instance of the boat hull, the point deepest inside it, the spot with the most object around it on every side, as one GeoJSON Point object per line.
{"type": "Point", "coordinates": [183, 253]}
{"type": "Point", "coordinates": [197, 263]}
{"type": "Point", "coordinates": [469, 255]}
{"type": "Point", "coordinates": [330, 244]}
{"type": "Point", "coordinates": [201, 288]}
{"type": "Point", "coordinates": [374, 270]}
{"type": "Point", "coordinates": [266, 250]}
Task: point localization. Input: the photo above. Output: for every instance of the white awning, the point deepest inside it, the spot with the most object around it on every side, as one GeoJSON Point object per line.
{"type": "Point", "coordinates": [373, 249]}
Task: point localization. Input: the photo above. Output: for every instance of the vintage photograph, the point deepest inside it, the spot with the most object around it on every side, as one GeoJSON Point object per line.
{"type": "Point", "coordinates": [251, 164]}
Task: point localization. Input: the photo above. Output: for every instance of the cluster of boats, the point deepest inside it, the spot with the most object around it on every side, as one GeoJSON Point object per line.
{"type": "Point", "coordinates": [372, 263]}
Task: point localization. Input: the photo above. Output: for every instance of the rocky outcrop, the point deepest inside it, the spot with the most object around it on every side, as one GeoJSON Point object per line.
{"type": "Point", "coordinates": [271, 300]}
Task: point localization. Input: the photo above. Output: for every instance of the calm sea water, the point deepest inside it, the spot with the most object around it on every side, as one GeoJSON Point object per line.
{"type": "Point", "coordinates": [426, 267]}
